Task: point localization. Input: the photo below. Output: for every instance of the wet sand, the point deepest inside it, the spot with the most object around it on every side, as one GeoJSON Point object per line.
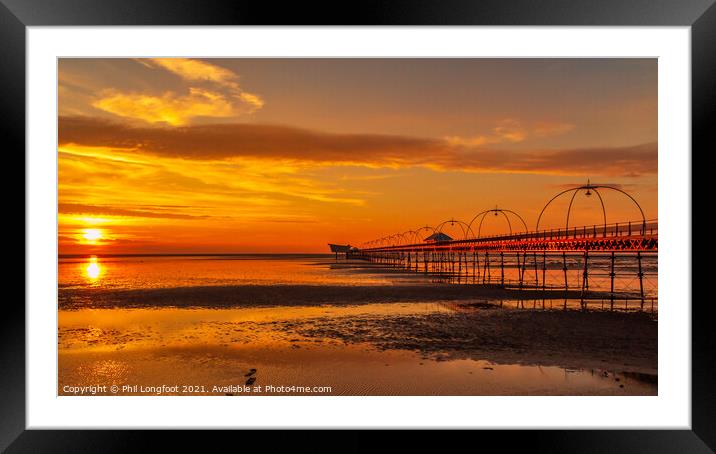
{"type": "Point", "coordinates": [228, 296]}
{"type": "Point", "coordinates": [436, 348]}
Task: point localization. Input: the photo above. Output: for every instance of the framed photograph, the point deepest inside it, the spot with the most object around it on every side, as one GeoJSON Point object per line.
{"type": "Point", "coordinates": [418, 216]}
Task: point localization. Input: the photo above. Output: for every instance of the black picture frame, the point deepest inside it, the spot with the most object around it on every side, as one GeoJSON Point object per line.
{"type": "Point", "coordinates": [16, 15]}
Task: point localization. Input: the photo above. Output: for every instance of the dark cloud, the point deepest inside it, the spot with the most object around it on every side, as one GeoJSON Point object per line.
{"type": "Point", "coordinates": [223, 141]}
{"type": "Point", "coordinates": [609, 161]}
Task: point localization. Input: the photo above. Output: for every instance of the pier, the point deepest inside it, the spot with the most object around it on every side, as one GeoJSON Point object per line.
{"type": "Point", "coordinates": [615, 263]}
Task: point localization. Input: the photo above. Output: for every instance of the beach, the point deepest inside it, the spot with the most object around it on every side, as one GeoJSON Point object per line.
{"type": "Point", "coordinates": [356, 330]}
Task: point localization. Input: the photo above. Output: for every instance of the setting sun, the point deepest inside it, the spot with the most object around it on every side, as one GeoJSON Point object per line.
{"type": "Point", "coordinates": [92, 234]}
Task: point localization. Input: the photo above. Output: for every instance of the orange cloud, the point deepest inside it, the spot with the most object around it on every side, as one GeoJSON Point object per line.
{"type": "Point", "coordinates": [195, 70]}
{"type": "Point", "coordinates": [507, 130]}
{"type": "Point", "coordinates": [252, 100]}
{"type": "Point", "coordinates": [476, 141]}
{"type": "Point", "coordinates": [223, 98]}
{"type": "Point", "coordinates": [168, 108]}
{"type": "Point", "coordinates": [141, 212]}
{"type": "Point", "coordinates": [511, 131]}
{"type": "Point", "coordinates": [550, 129]}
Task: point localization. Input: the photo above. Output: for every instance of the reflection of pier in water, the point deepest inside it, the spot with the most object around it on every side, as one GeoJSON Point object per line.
{"type": "Point", "coordinates": [612, 264]}
{"type": "Point", "coordinates": [605, 302]}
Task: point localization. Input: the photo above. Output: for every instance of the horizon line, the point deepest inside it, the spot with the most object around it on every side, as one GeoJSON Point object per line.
{"type": "Point", "coordinates": [191, 254]}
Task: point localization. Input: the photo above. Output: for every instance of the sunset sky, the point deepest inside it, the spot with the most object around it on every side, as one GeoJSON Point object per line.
{"type": "Point", "coordinates": [285, 155]}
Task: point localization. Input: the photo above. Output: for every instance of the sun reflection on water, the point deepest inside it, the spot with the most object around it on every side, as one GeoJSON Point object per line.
{"type": "Point", "coordinates": [93, 269]}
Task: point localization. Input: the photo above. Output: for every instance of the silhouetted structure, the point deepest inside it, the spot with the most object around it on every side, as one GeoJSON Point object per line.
{"type": "Point", "coordinates": [479, 259]}
{"type": "Point", "coordinates": [437, 237]}
{"type": "Point", "coordinates": [340, 249]}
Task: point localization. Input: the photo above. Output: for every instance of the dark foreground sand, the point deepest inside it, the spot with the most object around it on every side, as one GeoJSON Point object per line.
{"type": "Point", "coordinates": [294, 295]}
{"type": "Point", "coordinates": [569, 339]}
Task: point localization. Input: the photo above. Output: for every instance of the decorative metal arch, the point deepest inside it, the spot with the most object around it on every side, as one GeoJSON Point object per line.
{"type": "Point", "coordinates": [497, 211]}
{"type": "Point", "coordinates": [405, 237]}
{"type": "Point", "coordinates": [394, 239]}
{"type": "Point", "coordinates": [588, 188]}
{"type": "Point", "coordinates": [413, 235]}
{"type": "Point", "coordinates": [465, 227]}
{"type": "Point", "coordinates": [383, 241]}
{"type": "Point", "coordinates": [420, 229]}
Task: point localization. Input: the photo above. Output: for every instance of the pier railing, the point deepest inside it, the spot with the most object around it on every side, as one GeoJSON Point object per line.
{"type": "Point", "coordinates": [641, 235]}
{"type": "Point", "coordinates": [614, 261]}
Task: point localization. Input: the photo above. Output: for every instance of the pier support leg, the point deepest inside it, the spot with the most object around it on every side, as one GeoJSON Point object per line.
{"type": "Point", "coordinates": [519, 269]}
{"type": "Point", "coordinates": [502, 269]}
{"type": "Point", "coordinates": [611, 280]}
{"type": "Point", "coordinates": [487, 266]}
{"type": "Point", "coordinates": [459, 266]}
{"type": "Point", "coordinates": [641, 280]}
{"type": "Point", "coordinates": [477, 259]}
{"type": "Point", "coordinates": [544, 276]}
{"type": "Point", "coordinates": [585, 277]}
{"type": "Point", "coordinates": [474, 264]}
{"type": "Point", "coordinates": [566, 285]}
